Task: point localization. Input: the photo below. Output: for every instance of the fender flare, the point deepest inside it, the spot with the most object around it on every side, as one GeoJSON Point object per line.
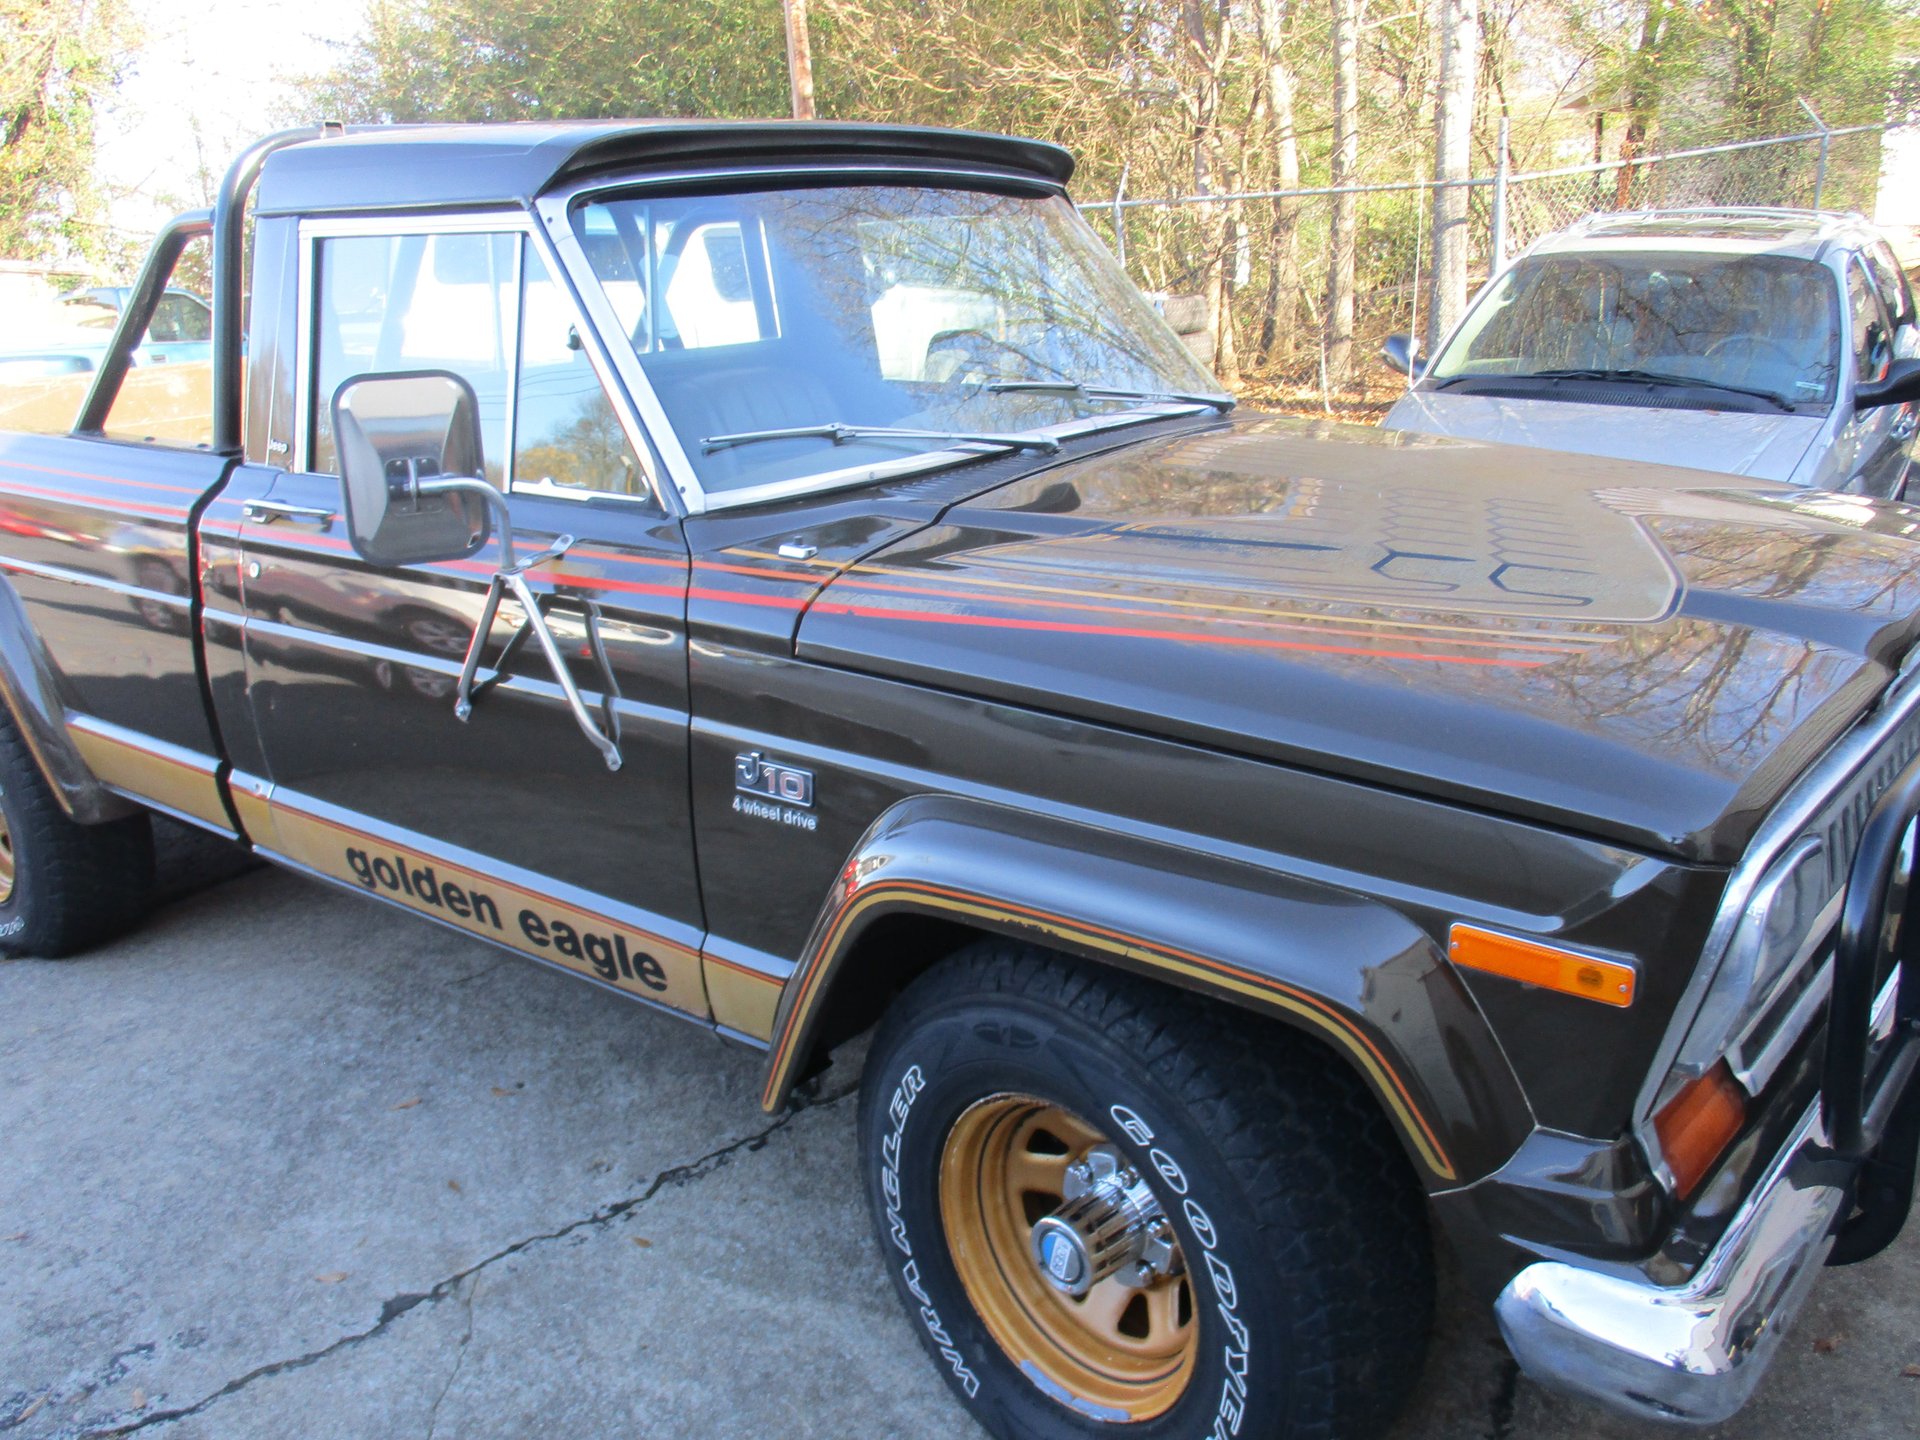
{"type": "Point", "coordinates": [1346, 968]}
{"type": "Point", "coordinates": [30, 686]}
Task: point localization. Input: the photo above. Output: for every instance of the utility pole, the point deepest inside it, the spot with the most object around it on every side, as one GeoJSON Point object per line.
{"type": "Point", "coordinates": [799, 59]}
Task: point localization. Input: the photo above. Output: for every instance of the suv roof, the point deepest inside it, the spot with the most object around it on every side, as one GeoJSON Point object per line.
{"type": "Point", "coordinates": [387, 167]}
{"type": "Point", "coordinates": [1804, 234]}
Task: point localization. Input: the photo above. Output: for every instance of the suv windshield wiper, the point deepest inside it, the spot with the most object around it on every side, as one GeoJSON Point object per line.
{"type": "Point", "coordinates": [1643, 377]}
{"type": "Point", "coordinates": [1222, 403]}
{"type": "Point", "coordinates": [841, 434]}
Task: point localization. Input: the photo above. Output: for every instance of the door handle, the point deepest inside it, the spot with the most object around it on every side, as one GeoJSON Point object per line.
{"type": "Point", "coordinates": [265, 512]}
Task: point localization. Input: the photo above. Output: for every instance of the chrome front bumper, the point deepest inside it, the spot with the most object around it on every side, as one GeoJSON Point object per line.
{"type": "Point", "coordinates": [1695, 1352]}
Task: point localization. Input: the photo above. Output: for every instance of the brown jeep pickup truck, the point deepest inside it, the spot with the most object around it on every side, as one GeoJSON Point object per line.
{"type": "Point", "coordinates": [785, 575]}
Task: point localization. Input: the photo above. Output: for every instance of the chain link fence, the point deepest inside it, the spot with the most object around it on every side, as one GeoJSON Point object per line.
{"type": "Point", "coordinates": [1272, 250]}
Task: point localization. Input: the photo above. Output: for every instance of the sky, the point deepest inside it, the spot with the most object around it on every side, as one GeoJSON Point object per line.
{"type": "Point", "coordinates": [218, 65]}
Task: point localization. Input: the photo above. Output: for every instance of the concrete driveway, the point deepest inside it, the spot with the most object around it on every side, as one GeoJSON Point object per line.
{"type": "Point", "coordinates": [285, 1163]}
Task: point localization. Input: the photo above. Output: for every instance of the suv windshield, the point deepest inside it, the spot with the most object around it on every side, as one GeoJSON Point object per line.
{"type": "Point", "coordinates": [1737, 322]}
{"type": "Point", "coordinates": [842, 310]}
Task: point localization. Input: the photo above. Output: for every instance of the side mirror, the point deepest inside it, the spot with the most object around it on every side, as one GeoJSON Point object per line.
{"type": "Point", "coordinates": [394, 432]}
{"type": "Point", "coordinates": [1398, 354]}
{"type": "Point", "coordinates": [1901, 385]}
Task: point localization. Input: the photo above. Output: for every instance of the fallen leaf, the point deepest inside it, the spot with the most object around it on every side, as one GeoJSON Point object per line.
{"type": "Point", "coordinates": [642, 1243]}
{"type": "Point", "coordinates": [331, 1277]}
{"type": "Point", "coordinates": [501, 1090]}
{"type": "Point", "coordinates": [1826, 1345]}
{"type": "Point", "coordinates": [406, 1104]}
{"type": "Point", "coordinates": [31, 1410]}
{"type": "Point", "coordinates": [454, 1185]}
{"type": "Point", "coordinates": [1912, 1372]}
{"type": "Point", "coordinates": [139, 1400]}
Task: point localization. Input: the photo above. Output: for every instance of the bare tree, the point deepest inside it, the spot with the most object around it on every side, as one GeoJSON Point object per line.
{"type": "Point", "coordinates": [1459, 40]}
{"type": "Point", "coordinates": [1343, 170]}
{"type": "Point", "coordinates": [1209, 36]}
{"type": "Point", "coordinates": [1283, 274]}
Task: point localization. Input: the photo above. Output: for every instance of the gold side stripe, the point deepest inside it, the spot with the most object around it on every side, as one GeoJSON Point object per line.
{"type": "Point", "coordinates": [151, 770]}
{"type": "Point", "coordinates": [614, 952]}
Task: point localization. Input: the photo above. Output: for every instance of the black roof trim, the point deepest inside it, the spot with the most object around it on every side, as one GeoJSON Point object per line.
{"type": "Point", "coordinates": [478, 166]}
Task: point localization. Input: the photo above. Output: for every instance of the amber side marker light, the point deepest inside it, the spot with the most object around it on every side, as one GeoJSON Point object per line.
{"type": "Point", "coordinates": [1697, 1125]}
{"type": "Point", "coordinates": [1536, 964]}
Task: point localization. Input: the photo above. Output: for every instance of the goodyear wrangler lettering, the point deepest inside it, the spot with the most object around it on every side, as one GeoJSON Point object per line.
{"type": "Point", "coordinates": [609, 954]}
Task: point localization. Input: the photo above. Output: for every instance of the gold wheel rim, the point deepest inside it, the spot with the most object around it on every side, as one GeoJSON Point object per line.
{"type": "Point", "coordinates": [6, 860]}
{"type": "Point", "coordinates": [1118, 1353]}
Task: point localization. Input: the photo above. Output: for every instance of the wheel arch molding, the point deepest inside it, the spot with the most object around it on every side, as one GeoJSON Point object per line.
{"type": "Point", "coordinates": [1346, 969]}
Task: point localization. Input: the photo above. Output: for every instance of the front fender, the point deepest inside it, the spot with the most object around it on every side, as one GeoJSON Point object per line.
{"type": "Point", "coordinates": [30, 688]}
{"type": "Point", "coordinates": [1345, 968]}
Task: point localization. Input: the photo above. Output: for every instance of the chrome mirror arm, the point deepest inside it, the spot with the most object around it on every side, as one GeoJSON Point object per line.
{"type": "Point", "coordinates": [604, 736]}
{"type": "Point", "coordinates": [468, 485]}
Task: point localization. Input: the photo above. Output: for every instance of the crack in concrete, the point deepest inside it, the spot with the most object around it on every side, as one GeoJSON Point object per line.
{"type": "Point", "coordinates": [459, 1359]}
{"type": "Point", "coordinates": [398, 1305]}
{"type": "Point", "coordinates": [486, 970]}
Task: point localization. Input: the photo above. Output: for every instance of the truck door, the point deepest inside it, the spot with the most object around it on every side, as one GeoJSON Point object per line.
{"type": "Point", "coordinates": [509, 823]}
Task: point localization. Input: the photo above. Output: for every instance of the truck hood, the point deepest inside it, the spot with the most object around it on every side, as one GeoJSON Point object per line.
{"type": "Point", "coordinates": [1765, 447]}
{"type": "Point", "coordinates": [1640, 653]}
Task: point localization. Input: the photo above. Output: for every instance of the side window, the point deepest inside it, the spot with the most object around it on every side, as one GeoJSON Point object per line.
{"type": "Point", "coordinates": [1872, 337]}
{"type": "Point", "coordinates": [390, 304]}
{"type": "Point", "coordinates": [167, 396]}
{"type": "Point", "coordinates": [1890, 281]}
{"type": "Point", "coordinates": [565, 429]}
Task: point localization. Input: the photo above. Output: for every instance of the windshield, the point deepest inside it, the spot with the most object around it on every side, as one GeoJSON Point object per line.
{"type": "Point", "coordinates": [1755, 322]}
{"type": "Point", "coordinates": [848, 308]}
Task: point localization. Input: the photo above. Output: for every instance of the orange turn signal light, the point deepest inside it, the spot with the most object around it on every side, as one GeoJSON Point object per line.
{"type": "Point", "coordinates": [1607, 981]}
{"type": "Point", "coordinates": [1697, 1125]}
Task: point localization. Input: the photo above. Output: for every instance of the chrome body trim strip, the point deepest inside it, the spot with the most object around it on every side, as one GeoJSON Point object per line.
{"type": "Point", "coordinates": [80, 577]}
{"type": "Point", "coordinates": [641, 711]}
{"type": "Point", "coordinates": [1692, 1352]}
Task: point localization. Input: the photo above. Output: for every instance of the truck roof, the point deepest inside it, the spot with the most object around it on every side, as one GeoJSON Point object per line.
{"type": "Point", "coordinates": [391, 167]}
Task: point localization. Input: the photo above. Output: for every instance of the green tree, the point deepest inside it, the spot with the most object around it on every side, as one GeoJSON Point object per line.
{"type": "Point", "coordinates": [421, 60]}
{"type": "Point", "coordinates": [58, 60]}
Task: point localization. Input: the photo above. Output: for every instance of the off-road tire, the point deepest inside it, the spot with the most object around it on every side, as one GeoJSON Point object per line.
{"type": "Point", "coordinates": [1314, 1299]}
{"type": "Point", "coordinates": [73, 886]}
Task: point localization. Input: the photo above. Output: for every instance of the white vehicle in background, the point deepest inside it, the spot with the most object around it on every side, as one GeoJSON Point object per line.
{"type": "Point", "coordinates": [1754, 342]}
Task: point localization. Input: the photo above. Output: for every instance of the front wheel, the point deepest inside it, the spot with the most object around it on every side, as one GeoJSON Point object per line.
{"type": "Point", "coordinates": [1115, 1210]}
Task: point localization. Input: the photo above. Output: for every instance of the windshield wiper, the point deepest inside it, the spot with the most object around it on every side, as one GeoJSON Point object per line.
{"type": "Point", "coordinates": [1222, 403]}
{"type": "Point", "coordinates": [1644, 377]}
{"type": "Point", "coordinates": [841, 434]}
